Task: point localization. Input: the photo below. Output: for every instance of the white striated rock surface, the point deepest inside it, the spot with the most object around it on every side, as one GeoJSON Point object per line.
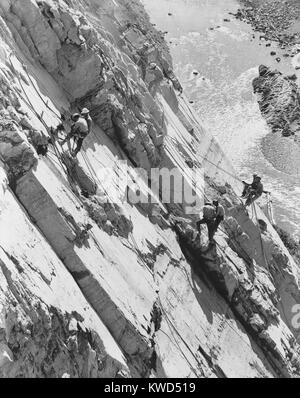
{"type": "Point", "coordinates": [134, 296]}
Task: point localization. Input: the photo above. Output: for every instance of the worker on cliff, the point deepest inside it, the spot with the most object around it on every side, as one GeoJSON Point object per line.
{"type": "Point", "coordinates": [79, 131]}
{"type": "Point", "coordinates": [85, 113]}
{"type": "Point", "coordinates": [155, 70]}
{"type": "Point", "coordinates": [143, 60]}
{"type": "Point", "coordinates": [170, 75]}
{"type": "Point", "coordinates": [39, 141]}
{"type": "Point", "coordinates": [56, 133]}
{"type": "Point", "coordinates": [254, 190]}
{"type": "Point", "coordinates": [82, 235]}
{"type": "Point", "coordinates": [213, 215]}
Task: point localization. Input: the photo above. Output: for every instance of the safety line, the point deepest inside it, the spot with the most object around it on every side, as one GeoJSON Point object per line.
{"type": "Point", "coordinates": [201, 156]}
{"type": "Point", "coordinates": [88, 166]}
{"type": "Point", "coordinates": [96, 180]}
{"type": "Point", "coordinates": [37, 91]}
{"type": "Point", "coordinates": [30, 105]}
{"type": "Point", "coordinates": [193, 117]}
{"type": "Point", "coordinates": [56, 151]}
{"type": "Point", "coordinates": [229, 309]}
{"type": "Point", "coordinates": [170, 323]}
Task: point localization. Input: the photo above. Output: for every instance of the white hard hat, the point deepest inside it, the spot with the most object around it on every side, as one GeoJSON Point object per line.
{"type": "Point", "coordinates": [85, 111]}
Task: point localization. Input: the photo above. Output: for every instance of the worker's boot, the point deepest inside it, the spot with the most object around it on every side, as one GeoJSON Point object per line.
{"type": "Point", "coordinates": [245, 192]}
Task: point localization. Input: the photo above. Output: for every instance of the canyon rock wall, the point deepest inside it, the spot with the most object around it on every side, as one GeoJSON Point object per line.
{"type": "Point", "coordinates": [93, 285]}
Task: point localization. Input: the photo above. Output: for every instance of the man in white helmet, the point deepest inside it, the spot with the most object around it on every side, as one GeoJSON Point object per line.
{"type": "Point", "coordinates": [143, 61]}
{"type": "Point", "coordinates": [79, 131]}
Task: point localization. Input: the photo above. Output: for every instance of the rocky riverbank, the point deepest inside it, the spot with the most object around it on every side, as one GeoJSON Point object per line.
{"type": "Point", "coordinates": [273, 20]}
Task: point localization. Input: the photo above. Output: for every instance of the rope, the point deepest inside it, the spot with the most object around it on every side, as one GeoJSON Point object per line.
{"type": "Point", "coordinates": [99, 247]}
{"type": "Point", "coordinates": [109, 62]}
{"type": "Point", "coordinates": [267, 264]}
{"type": "Point", "coordinates": [261, 242]}
{"type": "Point", "coordinates": [270, 209]}
{"type": "Point", "coordinates": [229, 325]}
{"type": "Point", "coordinates": [92, 171]}
{"type": "Point", "coordinates": [83, 154]}
{"type": "Point", "coordinates": [96, 180]}
{"type": "Point", "coordinates": [249, 261]}
{"type": "Point", "coordinates": [248, 269]}
{"type": "Point", "coordinates": [204, 157]}
{"type": "Point", "coordinates": [28, 102]}
{"type": "Point", "coordinates": [64, 167]}
{"type": "Point", "coordinates": [228, 307]}
{"type": "Point", "coordinates": [40, 118]}
{"type": "Point", "coordinates": [172, 326]}
{"type": "Point", "coordinates": [193, 117]}
{"type": "Point", "coordinates": [52, 160]}
{"type": "Point", "coordinates": [56, 151]}
{"type": "Point", "coordinates": [169, 322]}
{"type": "Point", "coordinates": [179, 348]}
{"type": "Point", "coordinates": [37, 91]}
{"type": "Point", "coordinates": [30, 105]}
{"type": "Point", "coordinates": [220, 168]}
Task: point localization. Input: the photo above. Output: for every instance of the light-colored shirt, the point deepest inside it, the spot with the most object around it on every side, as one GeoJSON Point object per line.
{"type": "Point", "coordinates": [157, 72]}
{"type": "Point", "coordinates": [210, 212]}
{"type": "Point", "coordinates": [80, 127]}
{"type": "Point", "coordinates": [220, 212]}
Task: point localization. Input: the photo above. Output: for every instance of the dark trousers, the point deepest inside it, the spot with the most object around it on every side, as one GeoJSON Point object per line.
{"type": "Point", "coordinates": [252, 196]}
{"type": "Point", "coordinates": [218, 221]}
{"type": "Point", "coordinates": [79, 142]}
{"type": "Point", "coordinates": [246, 190]}
{"type": "Point", "coordinates": [42, 150]}
{"type": "Point", "coordinates": [212, 226]}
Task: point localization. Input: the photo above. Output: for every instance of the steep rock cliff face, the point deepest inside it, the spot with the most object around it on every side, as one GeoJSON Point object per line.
{"type": "Point", "coordinates": [92, 285]}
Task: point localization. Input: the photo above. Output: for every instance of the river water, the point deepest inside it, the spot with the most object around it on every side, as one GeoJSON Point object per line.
{"type": "Point", "coordinates": [226, 56]}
